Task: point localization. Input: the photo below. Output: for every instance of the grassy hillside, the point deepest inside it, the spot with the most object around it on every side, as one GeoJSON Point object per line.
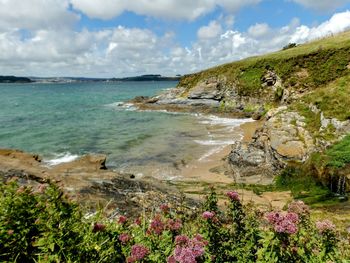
{"type": "Point", "coordinates": [306, 66]}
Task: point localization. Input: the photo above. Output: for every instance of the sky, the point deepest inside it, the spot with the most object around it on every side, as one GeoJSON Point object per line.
{"type": "Point", "coordinates": [119, 38]}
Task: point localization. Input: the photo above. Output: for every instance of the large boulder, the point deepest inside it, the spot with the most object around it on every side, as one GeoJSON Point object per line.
{"type": "Point", "coordinates": [211, 89]}
{"type": "Point", "coordinates": [282, 139]}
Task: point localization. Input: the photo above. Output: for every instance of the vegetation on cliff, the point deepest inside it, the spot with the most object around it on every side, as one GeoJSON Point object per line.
{"type": "Point", "coordinates": [42, 225]}
{"type": "Point", "coordinates": [309, 86]}
{"type": "Point", "coordinates": [305, 66]}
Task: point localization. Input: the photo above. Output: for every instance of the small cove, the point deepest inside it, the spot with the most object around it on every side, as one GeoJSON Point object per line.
{"type": "Point", "coordinates": [61, 122]}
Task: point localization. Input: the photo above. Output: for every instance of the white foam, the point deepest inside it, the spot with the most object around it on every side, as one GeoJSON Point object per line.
{"type": "Point", "coordinates": [214, 120]}
{"type": "Point", "coordinates": [121, 105]}
{"type": "Point", "coordinates": [62, 158]}
{"type": "Point", "coordinates": [212, 151]}
{"type": "Point", "coordinates": [215, 142]}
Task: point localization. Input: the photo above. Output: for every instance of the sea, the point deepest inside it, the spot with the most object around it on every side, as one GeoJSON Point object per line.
{"type": "Point", "coordinates": [63, 121]}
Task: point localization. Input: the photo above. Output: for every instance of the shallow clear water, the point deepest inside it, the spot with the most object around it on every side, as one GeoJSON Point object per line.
{"type": "Point", "coordinates": [63, 121]}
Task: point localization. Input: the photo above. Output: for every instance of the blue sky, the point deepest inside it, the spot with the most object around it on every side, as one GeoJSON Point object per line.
{"type": "Point", "coordinates": [115, 38]}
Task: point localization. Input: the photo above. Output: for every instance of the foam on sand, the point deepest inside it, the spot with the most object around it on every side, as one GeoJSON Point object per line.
{"type": "Point", "coordinates": [62, 158]}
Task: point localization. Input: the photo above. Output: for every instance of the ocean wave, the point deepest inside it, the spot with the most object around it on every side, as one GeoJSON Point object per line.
{"type": "Point", "coordinates": [120, 105]}
{"type": "Point", "coordinates": [215, 142]}
{"type": "Point", "coordinates": [61, 158]}
{"type": "Point", "coordinates": [214, 120]}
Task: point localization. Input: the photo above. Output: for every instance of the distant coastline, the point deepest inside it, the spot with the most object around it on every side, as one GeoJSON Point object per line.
{"type": "Point", "coordinates": [150, 77]}
{"type": "Point", "coordinates": [13, 79]}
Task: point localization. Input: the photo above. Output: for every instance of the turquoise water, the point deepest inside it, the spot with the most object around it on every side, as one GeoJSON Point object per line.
{"type": "Point", "coordinates": [63, 121]}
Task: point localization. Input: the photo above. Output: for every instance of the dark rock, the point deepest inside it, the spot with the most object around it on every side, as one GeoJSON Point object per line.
{"type": "Point", "coordinates": [258, 114]}
{"type": "Point", "coordinates": [140, 99]}
{"type": "Point", "coordinates": [209, 89]}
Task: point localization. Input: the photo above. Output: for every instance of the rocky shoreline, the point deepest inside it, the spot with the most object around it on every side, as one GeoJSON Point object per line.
{"type": "Point", "coordinates": [88, 181]}
{"type": "Point", "coordinates": [281, 138]}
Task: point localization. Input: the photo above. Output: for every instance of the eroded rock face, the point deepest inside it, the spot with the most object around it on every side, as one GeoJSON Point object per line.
{"type": "Point", "coordinates": [281, 139]}
{"type": "Point", "coordinates": [211, 89]}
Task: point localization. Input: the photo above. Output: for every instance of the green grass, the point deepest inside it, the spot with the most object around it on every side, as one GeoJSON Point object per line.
{"type": "Point", "coordinates": [333, 99]}
{"type": "Point", "coordinates": [305, 187]}
{"type": "Point", "coordinates": [338, 156]}
{"type": "Point", "coordinates": [322, 61]}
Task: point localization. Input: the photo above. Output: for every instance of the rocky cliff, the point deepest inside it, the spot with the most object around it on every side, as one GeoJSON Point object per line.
{"type": "Point", "coordinates": [300, 93]}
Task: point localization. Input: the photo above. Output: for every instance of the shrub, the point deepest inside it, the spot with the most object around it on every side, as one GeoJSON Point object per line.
{"type": "Point", "coordinates": [41, 225]}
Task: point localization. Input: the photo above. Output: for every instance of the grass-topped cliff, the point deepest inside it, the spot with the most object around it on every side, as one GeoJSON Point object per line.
{"type": "Point", "coordinates": [308, 66]}
{"type": "Point", "coordinates": [304, 92]}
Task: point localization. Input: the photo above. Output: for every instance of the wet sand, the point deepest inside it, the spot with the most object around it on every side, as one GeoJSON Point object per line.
{"type": "Point", "coordinates": [214, 171]}
{"type": "Point", "coordinates": [214, 168]}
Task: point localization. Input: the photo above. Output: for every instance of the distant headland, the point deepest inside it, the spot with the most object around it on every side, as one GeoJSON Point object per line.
{"type": "Point", "coordinates": [149, 77]}
{"type": "Point", "coordinates": [13, 79]}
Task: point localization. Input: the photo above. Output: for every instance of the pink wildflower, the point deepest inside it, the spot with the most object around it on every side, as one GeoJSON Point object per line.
{"type": "Point", "coordinates": [138, 221]}
{"type": "Point", "coordinates": [165, 208]}
{"type": "Point", "coordinates": [174, 225]}
{"type": "Point", "coordinates": [188, 250]}
{"type": "Point", "coordinates": [208, 215]}
{"type": "Point", "coordinates": [157, 226]}
{"type": "Point", "coordinates": [124, 238]}
{"type": "Point", "coordinates": [284, 223]}
{"type": "Point", "coordinates": [10, 232]}
{"type": "Point", "coordinates": [122, 220]}
{"type": "Point", "coordinates": [171, 259]}
{"type": "Point", "coordinates": [139, 252]}
{"type": "Point", "coordinates": [325, 226]}
{"type": "Point", "coordinates": [234, 196]}
{"type": "Point", "coordinates": [299, 207]}
{"type": "Point", "coordinates": [181, 240]}
{"type": "Point", "coordinates": [98, 227]}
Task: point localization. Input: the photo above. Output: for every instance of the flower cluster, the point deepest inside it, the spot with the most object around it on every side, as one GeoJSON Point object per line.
{"type": "Point", "coordinates": [284, 223]}
{"type": "Point", "coordinates": [174, 225]}
{"type": "Point", "coordinates": [299, 207]}
{"type": "Point", "coordinates": [188, 250]}
{"type": "Point", "coordinates": [157, 226]}
{"type": "Point", "coordinates": [208, 215]}
{"type": "Point", "coordinates": [122, 220]}
{"type": "Point", "coordinates": [124, 238]}
{"type": "Point", "coordinates": [98, 227]}
{"type": "Point", "coordinates": [138, 252]}
{"type": "Point", "coordinates": [234, 196]}
{"type": "Point", "coordinates": [165, 208]}
{"type": "Point", "coordinates": [325, 226]}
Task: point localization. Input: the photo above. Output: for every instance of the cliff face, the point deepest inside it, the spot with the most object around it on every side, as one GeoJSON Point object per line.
{"type": "Point", "coordinates": [301, 94]}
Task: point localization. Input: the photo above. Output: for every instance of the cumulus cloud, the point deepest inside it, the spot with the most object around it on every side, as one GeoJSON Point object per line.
{"type": "Point", "coordinates": [337, 23]}
{"type": "Point", "coordinates": [51, 45]}
{"type": "Point", "coordinates": [173, 9]}
{"type": "Point", "coordinates": [322, 5]}
{"type": "Point", "coordinates": [210, 31]}
{"type": "Point", "coordinates": [35, 14]}
{"type": "Point", "coordinates": [259, 30]}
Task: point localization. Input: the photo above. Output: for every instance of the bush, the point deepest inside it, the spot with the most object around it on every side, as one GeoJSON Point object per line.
{"type": "Point", "coordinates": [41, 225]}
{"type": "Point", "coordinates": [289, 46]}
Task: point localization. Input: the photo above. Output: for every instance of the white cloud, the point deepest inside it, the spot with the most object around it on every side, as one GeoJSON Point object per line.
{"type": "Point", "coordinates": [259, 30]}
{"type": "Point", "coordinates": [322, 5]}
{"type": "Point", "coordinates": [44, 41]}
{"type": "Point", "coordinates": [35, 14]}
{"type": "Point", "coordinates": [168, 9]}
{"type": "Point", "coordinates": [337, 23]}
{"type": "Point", "coordinates": [210, 31]}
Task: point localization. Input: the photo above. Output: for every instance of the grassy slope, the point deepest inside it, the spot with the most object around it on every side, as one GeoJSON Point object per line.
{"type": "Point", "coordinates": [324, 60]}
